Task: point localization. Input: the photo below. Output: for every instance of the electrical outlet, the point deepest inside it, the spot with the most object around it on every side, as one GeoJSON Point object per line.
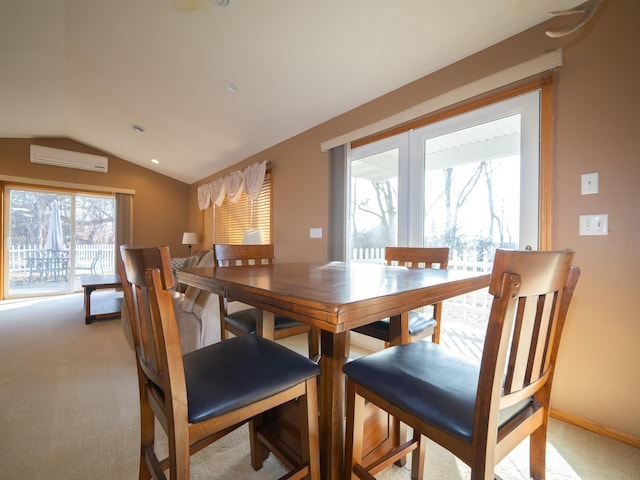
{"type": "Point", "coordinates": [597, 224]}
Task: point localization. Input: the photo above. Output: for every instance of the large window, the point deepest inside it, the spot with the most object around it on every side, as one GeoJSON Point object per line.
{"type": "Point", "coordinates": [469, 182]}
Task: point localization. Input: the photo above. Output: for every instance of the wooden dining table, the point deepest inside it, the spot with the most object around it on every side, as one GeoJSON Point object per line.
{"type": "Point", "coordinates": [335, 297]}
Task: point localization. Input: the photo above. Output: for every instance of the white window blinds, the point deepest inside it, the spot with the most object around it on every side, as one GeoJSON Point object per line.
{"type": "Point", "coordinates": [246, 220]}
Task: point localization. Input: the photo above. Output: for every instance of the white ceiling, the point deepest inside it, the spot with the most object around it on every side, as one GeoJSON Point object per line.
{"type": "Point", "coordinates": [89, 69]}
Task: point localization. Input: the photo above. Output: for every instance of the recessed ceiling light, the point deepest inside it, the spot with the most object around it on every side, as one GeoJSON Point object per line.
{"type": "Point", "coordinates": [153, 160]}
{"type": "Point", "coordinates": [230, 86]}
{"type": "Point", "coordinates": [220, 3]}
{"type": "Point", "coordinates": [137, 128]}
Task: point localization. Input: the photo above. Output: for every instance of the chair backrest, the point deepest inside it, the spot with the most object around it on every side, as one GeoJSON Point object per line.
{"type": "Point", "coordinates": [421, 257]}
{"type": "Point", "coordinates": [417, 257]}
{"type": "Point", "coordinates": [532, 291]}
{"type": "Point", "coordinates": [148, 276]}
{"type": "Point", "coordinates": [237, 255]}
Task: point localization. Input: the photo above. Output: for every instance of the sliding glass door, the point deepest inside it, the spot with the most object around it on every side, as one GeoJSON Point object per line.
{"type": "Point", "coordinates": [53, 237]}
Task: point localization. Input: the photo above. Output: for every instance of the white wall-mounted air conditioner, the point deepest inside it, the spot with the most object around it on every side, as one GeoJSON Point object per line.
{"type": "Point", "coordinates": [68, 159]}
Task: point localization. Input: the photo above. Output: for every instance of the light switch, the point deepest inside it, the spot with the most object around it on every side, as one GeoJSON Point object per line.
{"type": "Point", "coordinates": [589, 183]}
{"type": "Point", "coordinates": [315, 232]}
{"type": "Point", "coordinates": [597, 224]}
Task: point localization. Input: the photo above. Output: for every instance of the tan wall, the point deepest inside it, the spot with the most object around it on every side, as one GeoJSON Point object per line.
{"type": "Point", "coordinates": [159, 205]}
{"type": "Point", "coordinates": [596, 129]}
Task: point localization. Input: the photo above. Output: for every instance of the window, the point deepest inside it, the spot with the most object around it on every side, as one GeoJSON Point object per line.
{"type": "Point", "coordinates": [245, 221]}
{"type": "Point", "coordinates": [474, 179]}
{"type": "Point", "coordinates": [53, 237]}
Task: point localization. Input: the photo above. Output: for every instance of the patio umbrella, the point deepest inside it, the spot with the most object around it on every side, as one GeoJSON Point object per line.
{"type": "Point", "coordinates": [54, 239]}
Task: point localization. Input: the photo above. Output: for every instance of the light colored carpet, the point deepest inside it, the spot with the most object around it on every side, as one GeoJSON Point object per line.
{"type": "Point", "coordinates": [69, 410]}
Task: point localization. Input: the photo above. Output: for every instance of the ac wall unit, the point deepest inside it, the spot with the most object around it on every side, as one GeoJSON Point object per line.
{"type": "Point", "coordinates": [68, 159]}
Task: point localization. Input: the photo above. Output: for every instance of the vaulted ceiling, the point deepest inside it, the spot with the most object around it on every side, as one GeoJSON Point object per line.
{"type": "Point", "coordinates": [95, 70]}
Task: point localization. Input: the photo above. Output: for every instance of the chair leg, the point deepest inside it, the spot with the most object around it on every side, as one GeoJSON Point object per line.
{"type": "Point", "coordinates": [437, 314]}
{"type": "Point", "coordinates": [179, 453]}
{"type": "Point", "coordinates": [257, 449]}
{"type": "Point", "coordinates": [147, 428]}
{"type": "Point", "coordinates": [399, 431]}
{"type": "Point", "coordinates": [147, 439]}
{"type": "Point", "coordinates": [354, 431]}
{"type": "Point", "coordinates": [435, 338]}
{"type": "Point", "coordinates": [417, 458]}
{"type": "Point", "coordinates": [310, 440]}
{"type": "Point", "coordinates": [538, 452]}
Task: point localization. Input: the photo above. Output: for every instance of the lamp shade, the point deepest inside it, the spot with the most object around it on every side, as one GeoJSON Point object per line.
{"type": "Point", "coordinates": [189, 238]}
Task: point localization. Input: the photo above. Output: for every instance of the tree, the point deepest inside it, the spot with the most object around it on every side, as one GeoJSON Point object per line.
{"type": "Point", "coordinates": [383, 206]}
{"type": "Point", "coordinates": [453, 205]}
{"type": "Point", "coordinates": [31, 210]}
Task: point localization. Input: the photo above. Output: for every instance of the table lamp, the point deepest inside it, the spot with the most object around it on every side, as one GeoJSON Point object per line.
{"type": "Point", "coordinates": [189, 238]}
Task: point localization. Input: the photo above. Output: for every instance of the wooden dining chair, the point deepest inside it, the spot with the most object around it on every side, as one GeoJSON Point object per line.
{"type": "Point", "coordinates": [478, 411]}
{"type": "Point", "coordinates": [420, 324]}
{"type": "Point", "coordinates": [201, 396]}
{"type": "Point", "coordinates": [244, 321]}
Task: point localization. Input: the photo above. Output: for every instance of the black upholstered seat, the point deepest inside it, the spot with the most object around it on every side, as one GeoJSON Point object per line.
{"type": "Point", "coordinates": [244, 321]}
{"type": "Point", "coordinates": [240, 371]}
{"type": "Point", "coordinates": [419, 324]}
{"type": "Point", "coordinates": [423, 370]}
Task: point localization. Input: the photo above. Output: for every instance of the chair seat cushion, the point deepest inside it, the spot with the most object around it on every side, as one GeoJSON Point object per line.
{"type": "Point", "coordinates": [427, 380]}
{"type": "Point", "coordinates": [245, 321]}
{"type": "Point", "coordinates": [234, 373]}
{"type": "Point", "coordinates": [418, 323]}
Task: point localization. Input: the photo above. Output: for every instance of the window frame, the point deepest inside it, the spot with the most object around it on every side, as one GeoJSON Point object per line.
{"type": "Point", "coordinates": [546, 85]}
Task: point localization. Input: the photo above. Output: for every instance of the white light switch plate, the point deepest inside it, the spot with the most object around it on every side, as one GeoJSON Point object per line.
{"type": "Point", "coordinates": [597, 224]}
{"type": "Point", "coordinates": [315, 232]}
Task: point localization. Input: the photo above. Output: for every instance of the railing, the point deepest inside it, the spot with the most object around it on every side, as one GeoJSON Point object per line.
{"type": "Point", "coordinates": [473, 306]}
{"type": "Point", "coordinates": [38, 263]}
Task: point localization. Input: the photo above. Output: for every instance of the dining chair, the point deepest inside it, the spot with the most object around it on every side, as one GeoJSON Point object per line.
{"type": "Point", "coordinates": [244, 321]}
{"type": "Point", "coordinates": [420, 324]}
{"type": "Point", "coordinates": [477, 411]}
{"type": "Point", "coordinates": [199, 397]}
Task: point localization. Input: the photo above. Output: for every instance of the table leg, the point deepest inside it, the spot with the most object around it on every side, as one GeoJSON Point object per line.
{"type": "Point", "coordinates": [87, 304]}
{"type": "Point", "coordinates": [331, 400]}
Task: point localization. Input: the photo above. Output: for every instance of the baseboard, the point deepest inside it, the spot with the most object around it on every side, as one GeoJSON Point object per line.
{"type": "Point", "coordinates": [595, 427]}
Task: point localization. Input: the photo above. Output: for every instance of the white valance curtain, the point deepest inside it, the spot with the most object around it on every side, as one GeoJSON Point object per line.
{"type": "Point", "coordinates": [232, 186]}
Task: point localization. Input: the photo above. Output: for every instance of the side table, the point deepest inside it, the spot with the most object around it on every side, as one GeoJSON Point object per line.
{"type": "Point", "coordinates": [108, 307]}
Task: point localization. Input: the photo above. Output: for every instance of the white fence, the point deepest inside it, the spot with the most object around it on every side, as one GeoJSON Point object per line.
{"type": "Point", "coordinates": [99, 256]}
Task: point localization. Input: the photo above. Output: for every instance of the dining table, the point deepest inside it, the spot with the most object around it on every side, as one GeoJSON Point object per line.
{"type": "Point", "coordinates": [334, 297]}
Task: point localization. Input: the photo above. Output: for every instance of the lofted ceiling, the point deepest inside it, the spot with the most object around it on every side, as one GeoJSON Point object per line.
{"type": "Point", "coordinates": [89, 70]}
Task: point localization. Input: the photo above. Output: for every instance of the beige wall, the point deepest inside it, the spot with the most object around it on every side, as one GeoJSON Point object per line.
{"type": "Point", "coordinates": [159, 205]}
{"type": "Point", "coordinates": [596, 130]}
